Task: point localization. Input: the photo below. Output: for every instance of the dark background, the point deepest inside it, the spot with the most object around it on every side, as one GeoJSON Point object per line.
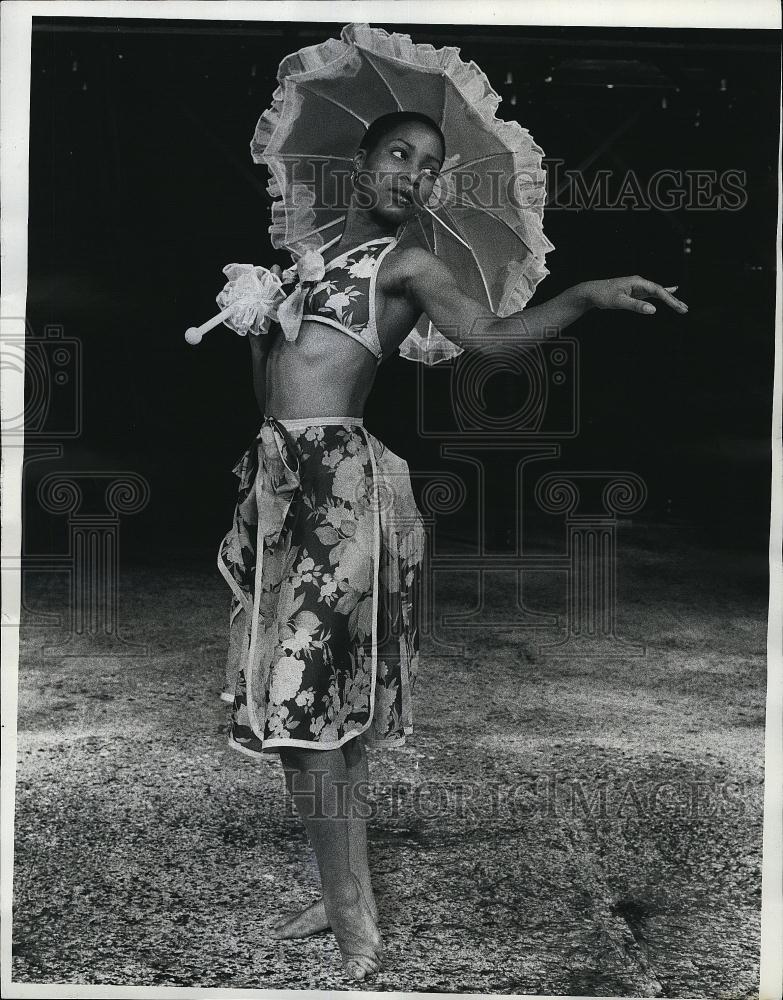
{"type": "Point", "coordinates": [142, 188]}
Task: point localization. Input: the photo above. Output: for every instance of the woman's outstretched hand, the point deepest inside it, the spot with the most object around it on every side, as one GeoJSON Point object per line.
{"type": "Point", "coordinates": [630, 293]}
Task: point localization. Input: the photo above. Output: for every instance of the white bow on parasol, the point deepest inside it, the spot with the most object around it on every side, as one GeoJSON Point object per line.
{"type": "Point", "coordinates": [249, 301]}
{"type": "Point", "coordinates": [485, 216]}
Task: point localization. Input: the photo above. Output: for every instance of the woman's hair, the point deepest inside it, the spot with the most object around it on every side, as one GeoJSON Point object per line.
{"type": "Point", "coordinates": [377, 129]}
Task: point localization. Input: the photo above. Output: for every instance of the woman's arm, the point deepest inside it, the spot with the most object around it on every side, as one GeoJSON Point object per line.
{"type": "Point", "coordinates": [259, 351]}
{"type": "Point", "coordinates": [433, 289]}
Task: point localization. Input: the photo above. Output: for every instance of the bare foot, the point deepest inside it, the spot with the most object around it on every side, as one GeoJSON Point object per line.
{"type": "Point", "coordinates": [313, 920]}
{"type": "Point", "coordinates": [357, 933]}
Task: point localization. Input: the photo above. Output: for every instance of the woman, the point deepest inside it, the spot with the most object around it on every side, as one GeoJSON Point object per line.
{"type": "Point", "coordinates": [311, 702]}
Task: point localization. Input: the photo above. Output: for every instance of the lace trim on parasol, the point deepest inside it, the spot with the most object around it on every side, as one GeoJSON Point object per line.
{"type": "Point", "coordinates": [293, 217]}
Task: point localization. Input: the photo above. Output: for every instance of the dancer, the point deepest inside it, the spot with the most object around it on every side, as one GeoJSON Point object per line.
{"type": "Point", "coordinates": [326, 549]}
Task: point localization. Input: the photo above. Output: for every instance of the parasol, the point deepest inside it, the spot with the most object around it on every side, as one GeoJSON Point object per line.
{"type": "Point", "coordinates": [484, 219]}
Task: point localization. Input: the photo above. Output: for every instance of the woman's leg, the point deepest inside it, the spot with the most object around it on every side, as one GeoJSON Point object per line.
{"type": "Point", "coordinates": [313, 919]}
{"type": "Point", "coordinates": [317, 780]}
{"type": "Point", "coordinates": [358, 786]}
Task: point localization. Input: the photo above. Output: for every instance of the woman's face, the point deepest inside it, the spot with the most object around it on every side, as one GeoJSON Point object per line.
{"type": "Point", "coordinates": [397, 176]}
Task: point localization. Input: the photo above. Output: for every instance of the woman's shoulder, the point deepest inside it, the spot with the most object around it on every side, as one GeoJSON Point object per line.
{"type": "Point", "coordinates": [410, 261]}
{"type": "Point", "coordinates": [412, 255]}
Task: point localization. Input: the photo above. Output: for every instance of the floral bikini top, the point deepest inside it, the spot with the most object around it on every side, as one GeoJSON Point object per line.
{"type": "Point", "coordinates": [345, 297]}
{"type": "Point", "coordinates": [341, 294]}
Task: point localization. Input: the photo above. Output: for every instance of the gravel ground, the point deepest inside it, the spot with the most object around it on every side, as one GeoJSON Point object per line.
{"type": "Point", "coordinates": [556, 826]}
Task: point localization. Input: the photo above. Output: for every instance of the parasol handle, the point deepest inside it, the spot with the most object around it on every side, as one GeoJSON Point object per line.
{"type": "Point", "coordinates": [194, 334]}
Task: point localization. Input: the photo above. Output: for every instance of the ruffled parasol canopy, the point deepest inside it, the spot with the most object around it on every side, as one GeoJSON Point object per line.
{"type": "Point", "coordinates": [485, 215]}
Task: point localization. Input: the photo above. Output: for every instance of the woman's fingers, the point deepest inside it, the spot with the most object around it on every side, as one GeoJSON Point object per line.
{"type": "Point", "coordinates": [626, 301]}
{"type": "Point", "coordinates": [651, 288]}
{"type": "Point", "coordinates": [272, 459]}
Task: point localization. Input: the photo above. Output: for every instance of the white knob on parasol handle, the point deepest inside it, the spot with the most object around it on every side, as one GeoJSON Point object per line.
{"type": "Point", "coordinates": [194, 334]}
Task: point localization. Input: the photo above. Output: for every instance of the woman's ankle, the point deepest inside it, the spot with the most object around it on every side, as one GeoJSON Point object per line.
{"type": "Point", "coordinates": [347, 892]}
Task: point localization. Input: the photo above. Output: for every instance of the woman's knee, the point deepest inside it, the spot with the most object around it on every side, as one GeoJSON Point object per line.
{"type": "Point", "coordinates": [320, 765]}
{"type": "Point", "coordinates": [354, 751]}
{"type": "Point", "coordinates": [297, 759]}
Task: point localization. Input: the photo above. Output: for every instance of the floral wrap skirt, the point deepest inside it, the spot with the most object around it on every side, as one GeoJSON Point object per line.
{"type": "Point", "coordinates": [324, 564]}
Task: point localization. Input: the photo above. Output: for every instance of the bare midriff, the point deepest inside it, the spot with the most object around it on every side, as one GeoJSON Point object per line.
{"type": "Point", "coordinates": [323, 373]}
